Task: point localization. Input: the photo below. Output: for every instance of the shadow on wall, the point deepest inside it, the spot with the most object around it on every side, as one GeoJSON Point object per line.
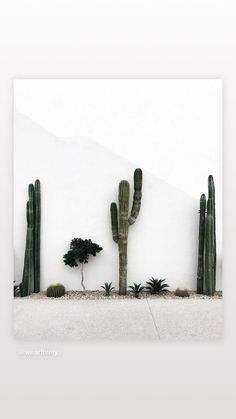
{"type": "Point", "coordinates": [79, 181]}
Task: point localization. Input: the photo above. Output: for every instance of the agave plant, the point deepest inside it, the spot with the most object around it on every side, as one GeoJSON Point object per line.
{"type": "Point", "coordinates": [136, 289]}
{"type": "Point", "coordinates": [108, 288]}
{"type": "Point", "coordinates": [16, 290]}
{"type": "Point", "coordinates": [156, 286]}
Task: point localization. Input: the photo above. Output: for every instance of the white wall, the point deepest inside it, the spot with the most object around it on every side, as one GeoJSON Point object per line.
{"type": "Point", "coordinates": [80, 177]}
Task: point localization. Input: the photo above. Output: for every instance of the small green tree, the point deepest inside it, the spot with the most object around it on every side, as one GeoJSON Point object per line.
{"type": "Point", "coordinates": [79, 253]}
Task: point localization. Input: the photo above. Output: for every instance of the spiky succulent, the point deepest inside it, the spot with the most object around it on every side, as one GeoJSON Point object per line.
{"type": "Point", "coordinates": [16, 289]}
{"type": "Point", "coordinates": [55, 291]}
{"type": "Point", "coordinates": [108, 288]}
{"type": "Point", "coordinates": [136, 289]}
{"type": "Point", "coordinates": [156, 286]}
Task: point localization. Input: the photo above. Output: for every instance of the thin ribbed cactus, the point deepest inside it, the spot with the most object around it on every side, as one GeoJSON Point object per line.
{"type": "Point", "coordinates": [206, 275]}
{"type": "Point", "coordinates": [211, 195]}
{"type": "Point", "coordinates": [37, 236]}
{"type": "Point", "coordinates": [201, 240]}
{"type": "Point", "coordinates": [27, 284]}
{"type": "Point", "coordinates": [31, 272]}
{"type": "Point", "coordinates": [209, 282]}
{"type": "Point", "coordinates": [120, 223]}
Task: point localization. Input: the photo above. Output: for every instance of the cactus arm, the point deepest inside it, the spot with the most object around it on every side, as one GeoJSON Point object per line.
{"type": "Point", "coordinates": [136, 197]}
{"type": "Point", "coordinates": [124, 189]}
{"type": "Point", "coordinates": [114, 222]}
{"type": "Point", "coordinates": [201, 240]}
{"type": "Point", "coordinates": [37, 237]}
{"type": "Point", "coordinates": [31, 192]}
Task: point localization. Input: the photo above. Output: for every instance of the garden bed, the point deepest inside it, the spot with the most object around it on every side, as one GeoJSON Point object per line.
{"type": "Point", "coordinates": [99, 295]}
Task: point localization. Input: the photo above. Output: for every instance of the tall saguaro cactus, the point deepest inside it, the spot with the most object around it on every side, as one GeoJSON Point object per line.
{"type": "Point", "coordinates": [201, 242]}
{"type": "Point", "coordinates": [31, 272]}
{"type": "Point", "coordinates": [120, 222]}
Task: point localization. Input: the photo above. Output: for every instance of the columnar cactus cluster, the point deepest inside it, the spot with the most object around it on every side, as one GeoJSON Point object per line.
{"type": "Point", "coordinates": [120, 222]}
{"type": "Point", "coordinates": [201, 244]}
{"type": "Point", "coordinates": [206, 276]}
{"type": "Point", "coordinates": [31, 272]}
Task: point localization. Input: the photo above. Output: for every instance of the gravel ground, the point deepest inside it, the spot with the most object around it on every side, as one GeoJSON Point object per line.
{"type": "Point", "coordinates": [99, 295]}
{"type": "Point", "coordinates": [151, 319]}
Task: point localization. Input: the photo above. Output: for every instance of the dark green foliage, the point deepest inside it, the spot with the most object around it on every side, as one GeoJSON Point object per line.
{"type": "Point", "coordinates": [136, 289]}
{"type": "Point", "coordinates": [120, 222]}
{"type": "Point", "coordinates": [182, 292]}
{"type": "Point", "coordinates": [108, 288]}
{"type": "Point", "coordinates": [79, 253]}
{"type": "Point", "coordinates": [156, 286]}
{"type": "Point", "coordinates": [201, 242]}
{"type": "Point", "coordinates": [31, 272]}
{"type": "Point", "coordinates": [55, 291]}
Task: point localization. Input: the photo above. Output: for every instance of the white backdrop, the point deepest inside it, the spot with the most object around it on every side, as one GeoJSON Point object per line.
{"type": "Point", "coordinates": [81, 137]}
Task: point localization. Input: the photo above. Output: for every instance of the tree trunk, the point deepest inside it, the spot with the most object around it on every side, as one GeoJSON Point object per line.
{"type": "Point", "coordinates": [82, 276]}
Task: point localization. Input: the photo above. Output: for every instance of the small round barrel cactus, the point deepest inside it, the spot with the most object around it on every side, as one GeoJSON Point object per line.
{"type": "Point", "coordinates": [56, 291]}
{"type": "Point", "coordinates": [182, 292]}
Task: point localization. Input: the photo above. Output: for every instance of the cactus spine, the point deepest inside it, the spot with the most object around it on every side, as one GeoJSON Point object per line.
{"type": "Point", "coordinates": [120, 223]}
{"type": "Point", "coordinates": [201, 240]}
{"type": "Point", "coordinates": [206, 276]}
{"type": "Point", "coordinates": [31, 272]}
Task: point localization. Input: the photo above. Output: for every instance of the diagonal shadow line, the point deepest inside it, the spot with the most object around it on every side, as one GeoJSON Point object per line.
{"type": "Point", "coordinates": [153, 319]}
{"type": "Point", "coordinates": [102, 146]}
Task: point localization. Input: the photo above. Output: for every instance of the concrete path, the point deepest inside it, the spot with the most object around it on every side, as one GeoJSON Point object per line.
{"type": "Point", "coordinates": [128, 319]}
